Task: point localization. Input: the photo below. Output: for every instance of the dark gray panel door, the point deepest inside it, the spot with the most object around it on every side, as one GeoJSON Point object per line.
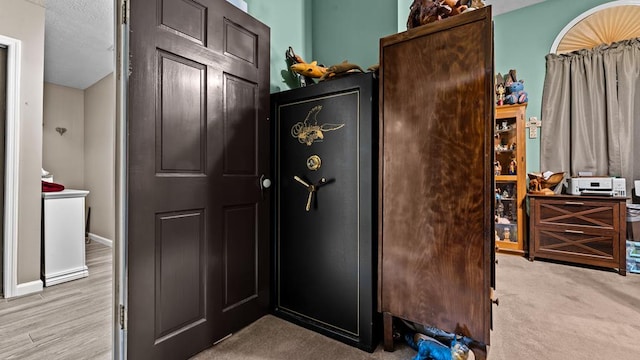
{"type": "Point", "coordinates": [198, 144]}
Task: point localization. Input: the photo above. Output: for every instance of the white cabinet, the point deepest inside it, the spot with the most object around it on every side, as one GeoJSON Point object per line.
{"type": "Point", "coordinates": [63, 236]}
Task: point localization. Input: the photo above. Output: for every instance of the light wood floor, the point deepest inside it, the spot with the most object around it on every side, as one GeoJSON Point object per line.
{"type": "Point", "coordinates": [67, 321]}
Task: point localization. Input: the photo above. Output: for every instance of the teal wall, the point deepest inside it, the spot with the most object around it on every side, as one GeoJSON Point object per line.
{"type": "Point", "coordinates": [522, 39]}
{"type": "Point", "coordinates": [290, 23]}
{"type": "Point", "coordinates": [351, 30]}
{"type": "Point", "coordinates": [328, 31]}
{"type": "Point", "coordinates": [403, 14]}
{"type": "Point", "coordinates": [331, 31]}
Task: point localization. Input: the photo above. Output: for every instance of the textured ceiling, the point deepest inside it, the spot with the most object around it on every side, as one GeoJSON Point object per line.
{"type": "Point", "coordinates": [79, 38]}
{"type": "Point", "coordinates": [78, 47]}
{"type": "Point", "coordinates": [504, 6]}
{"type": "Point", "coordinates": [37, 2]}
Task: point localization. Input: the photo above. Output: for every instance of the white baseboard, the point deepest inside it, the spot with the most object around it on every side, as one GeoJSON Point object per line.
{"type": "Point", "coordinates": [100, 239]}
{"type": "Point", "coordinates": [67, 275]}
{"type": "Point", "coordinates": [28, 288]}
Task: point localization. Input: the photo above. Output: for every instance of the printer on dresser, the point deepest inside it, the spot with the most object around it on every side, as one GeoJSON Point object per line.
{"type": "Point", "coordinates": [605, 186]}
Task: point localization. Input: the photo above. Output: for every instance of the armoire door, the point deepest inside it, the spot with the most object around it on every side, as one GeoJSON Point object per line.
{"type": "Point", "coordinates": [198, 146]}
{"type": "Point", "coordinates": [436, 215]}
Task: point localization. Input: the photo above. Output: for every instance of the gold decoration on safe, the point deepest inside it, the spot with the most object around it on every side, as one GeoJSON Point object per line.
{"type": "Point", "coordinates": [314, 162]}
{"type": "Point", "coordinates": [307, 132]}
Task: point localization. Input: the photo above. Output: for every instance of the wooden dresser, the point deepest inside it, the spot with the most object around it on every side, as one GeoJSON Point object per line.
{"type": "Point", "coordinates": [588, 230]}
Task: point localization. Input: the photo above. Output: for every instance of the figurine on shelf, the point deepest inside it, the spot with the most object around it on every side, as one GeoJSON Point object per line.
{"type": "Point", "coordinates": [513, 146]}
{"type": "Point", "coordinates": [507, 234]}
{"type": "Point", "coordinates": [422, 12]}
{"type": "Point", "coordinates": [500, 91]}
{"type": "Point", "coordinates": [500, 210]}
{"type": "Point", "coordinates": [497, 168]}
{"type": "Point", "coordinates": [342, 68]}
{"type": "Point", "coordinates": [294, 59]}
{"type": "Point", "coordinates": [513, 166]}
{"type": "Point", "coordinates": [534, 185]}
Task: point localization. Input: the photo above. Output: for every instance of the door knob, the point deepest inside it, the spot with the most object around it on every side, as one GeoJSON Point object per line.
{"type": "Point", "coordinates": [265, 182]}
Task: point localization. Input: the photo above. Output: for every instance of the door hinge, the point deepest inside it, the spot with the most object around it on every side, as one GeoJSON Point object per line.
{"type": "Point", "coordinates": [122, 316]}
{"type": "Point", "coordinates": [125, 9]}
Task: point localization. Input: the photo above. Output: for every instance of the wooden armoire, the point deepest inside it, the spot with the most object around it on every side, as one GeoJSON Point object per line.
{"type": "Point", "coordinates": [436, 243]}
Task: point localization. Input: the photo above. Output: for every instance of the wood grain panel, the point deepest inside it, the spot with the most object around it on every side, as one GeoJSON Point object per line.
{"type": "Point", "coordinates": [240, 99]}
{"type": "Point", "coordinates": [579, 213]}
{"type": "Point", "coordinates": [181, 117]}
{"type": "Point", "coordinates": [436, 215]}
{"type": "Point", "coordinates": [186, 17]}
{"type": "Point", "coordinates": [595, 244]}
{"type": "Point", "coordinates": [240, 42]}
{"type": "Point", "coordinates": [180, 293]}
{"type": "Point", "coordinates": [240, 255]}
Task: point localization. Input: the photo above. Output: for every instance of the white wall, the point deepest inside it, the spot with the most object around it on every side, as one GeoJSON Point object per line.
{"type": "Point", "coordinates": [63, 155]}
{"type": "Point", "coordinates": [24, 21]}
{"type": "Point", "coordinates": [99, 155]}
{"type": "Point", "coordinates": [83, 157]}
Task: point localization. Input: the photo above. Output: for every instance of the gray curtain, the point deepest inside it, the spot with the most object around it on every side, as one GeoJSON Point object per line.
{"type": "Point", "coordinates": [591, 112]}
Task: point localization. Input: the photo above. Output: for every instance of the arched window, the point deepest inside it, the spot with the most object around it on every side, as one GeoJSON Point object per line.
{"type": "Point", "coordinates": [591, 95]}
{"type": "Point", "coordinates": [604, 24]}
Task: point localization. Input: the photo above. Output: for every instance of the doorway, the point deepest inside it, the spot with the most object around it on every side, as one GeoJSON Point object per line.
{"type": "Point", "coordinates": [10, 134]}
{"type": "Point", "coordinates": [3, 97]}
{"type": "Point", "coordinates": [11, 130]}
{"type": "Point", "coordinates": [78, 144]}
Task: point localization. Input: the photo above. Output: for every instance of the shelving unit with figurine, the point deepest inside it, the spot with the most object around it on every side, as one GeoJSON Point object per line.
{"type": "Point", "coordinates": [510, 164]}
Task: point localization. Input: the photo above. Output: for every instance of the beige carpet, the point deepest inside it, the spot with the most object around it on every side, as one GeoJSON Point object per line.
{"type": "Point", "coordinates": [554, 311]}
{"type": "Point", "coordinates": [547, 311]}
{"type": "Point", "coordinates": [271, 338]}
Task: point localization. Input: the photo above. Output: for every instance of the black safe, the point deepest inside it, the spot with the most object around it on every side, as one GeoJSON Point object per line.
{"type": "Point", "coordinates": [325, 247]}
